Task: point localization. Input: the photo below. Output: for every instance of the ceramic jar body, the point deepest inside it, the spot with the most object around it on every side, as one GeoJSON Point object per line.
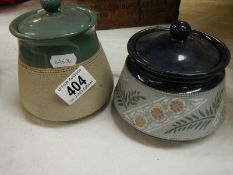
{"type": "Point", "coordinates": [53, 43]}
{"type": "Point", "coordinates": [37, 86]}
{"type": "Point", "coordinates": [173, 83]}
{"type": "Point", "coordinates": [167, 115]}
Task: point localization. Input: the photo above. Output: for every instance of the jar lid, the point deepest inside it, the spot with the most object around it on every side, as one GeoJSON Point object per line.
{"type": "Point", "coordinates": [52, 21]}
{"type": "Point", "coordinates": [178, 52]}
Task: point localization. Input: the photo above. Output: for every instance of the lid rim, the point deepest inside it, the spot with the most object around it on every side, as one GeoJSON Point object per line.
{"type": "Point", "coordinates": [15, 23]}
{"type": "Point", "coordinates": [222, 49]}
{"type": "Point", "coordinates": [175, 86]}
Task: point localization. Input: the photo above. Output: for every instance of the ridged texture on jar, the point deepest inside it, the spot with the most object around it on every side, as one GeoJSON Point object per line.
{"type": "Point", "coordinates": [37, 90]}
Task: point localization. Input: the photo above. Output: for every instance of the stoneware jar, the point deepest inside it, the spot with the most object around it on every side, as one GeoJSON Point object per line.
{"type": "Point", "coordinates": [172, 86]}
{"type": "Point", "coordinates": [53, 43]}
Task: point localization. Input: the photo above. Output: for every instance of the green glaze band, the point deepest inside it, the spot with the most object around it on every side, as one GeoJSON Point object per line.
{"type": "Point", "coordinates": [45, 33]}
{"type": "Point", "coordinates": [38, 53]}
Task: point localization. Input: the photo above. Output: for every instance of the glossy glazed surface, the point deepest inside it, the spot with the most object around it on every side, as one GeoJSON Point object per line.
{"type": "Point", "coordinates": [174, 85]}
{"type": "Point", "coordinates": [38, 53]}
{"type": "Point", "coordinates": [53, 22]}
{"type": "Point", "coordinates": [51, 6]}
{"type": "Point", "coordinates": [163, 52]}
{"type": "Point", "coordinates": [55, 31]}
{"type": "Point", "coordinates": [188, 57]}
{"type": "Point", "coordinates": [67, 21]}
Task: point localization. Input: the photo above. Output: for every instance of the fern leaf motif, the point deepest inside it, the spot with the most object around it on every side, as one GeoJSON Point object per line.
{"type": "Point", "coordinates": [198, 121]}
{"type": "Point", "coordinates": [129, 98]}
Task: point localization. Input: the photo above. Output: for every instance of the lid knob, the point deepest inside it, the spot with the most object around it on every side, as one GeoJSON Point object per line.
{"type": "Point", "coordinates": [180, 30]}
{"type": "Point", "coordinates": [51, 6]}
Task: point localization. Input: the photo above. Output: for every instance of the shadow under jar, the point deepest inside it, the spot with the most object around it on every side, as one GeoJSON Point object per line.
{"type": "Point", "coordinates": [53, 43]}
{"type": "Point", "coordinates": [173, 83]}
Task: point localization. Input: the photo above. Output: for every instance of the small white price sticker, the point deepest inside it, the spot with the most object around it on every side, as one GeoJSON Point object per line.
{"type": "Point", "coordinates": [63, 60]}
{"type": "Point", "coordinates": [77, 84]}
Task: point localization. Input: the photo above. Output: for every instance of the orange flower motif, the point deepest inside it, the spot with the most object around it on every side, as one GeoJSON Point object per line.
{"type": "Point", "coordinates": [157, 113]}
{"type": "Point", "coordinates": [177, 105]}
{"type": "Point", "coordinates": [140, 121]}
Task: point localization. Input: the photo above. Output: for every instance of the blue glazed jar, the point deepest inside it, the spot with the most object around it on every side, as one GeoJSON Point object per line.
{"type": "Point", "coordinates": [173, 82]}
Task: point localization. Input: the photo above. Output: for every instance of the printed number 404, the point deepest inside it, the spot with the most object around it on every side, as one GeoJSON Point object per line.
{"type": "Point", "coordinates": [76, 86]}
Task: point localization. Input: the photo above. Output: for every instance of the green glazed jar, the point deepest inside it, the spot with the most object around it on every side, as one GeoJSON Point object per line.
{"type": "Point", "coordinates": [53, 43]}
{"type": "Point", "coordinates": [55, 30]}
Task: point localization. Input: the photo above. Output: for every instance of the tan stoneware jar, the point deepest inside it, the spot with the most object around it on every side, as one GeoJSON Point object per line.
{"type": "Point", "coordinates": [53, 43]}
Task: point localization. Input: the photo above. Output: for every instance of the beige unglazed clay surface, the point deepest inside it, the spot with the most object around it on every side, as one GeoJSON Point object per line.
{"type": "Point", "coordinates": [37, 88]}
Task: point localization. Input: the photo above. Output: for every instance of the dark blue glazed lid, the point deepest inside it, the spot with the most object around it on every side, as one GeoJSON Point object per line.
{"type": "Point", "coordinates": [178, 53]}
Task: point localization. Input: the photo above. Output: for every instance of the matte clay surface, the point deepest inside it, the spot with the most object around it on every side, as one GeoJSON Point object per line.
{"type": "Point", "coordinates": [169, 115]}
{"type": "Point", "coordinates": [102, 144]}
{"type": "Point", "coordinates": [37, 88]}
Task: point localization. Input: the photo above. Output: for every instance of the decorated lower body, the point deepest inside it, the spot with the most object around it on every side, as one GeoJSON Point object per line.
{"type": "Point", "coordinates": [165, 115]}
